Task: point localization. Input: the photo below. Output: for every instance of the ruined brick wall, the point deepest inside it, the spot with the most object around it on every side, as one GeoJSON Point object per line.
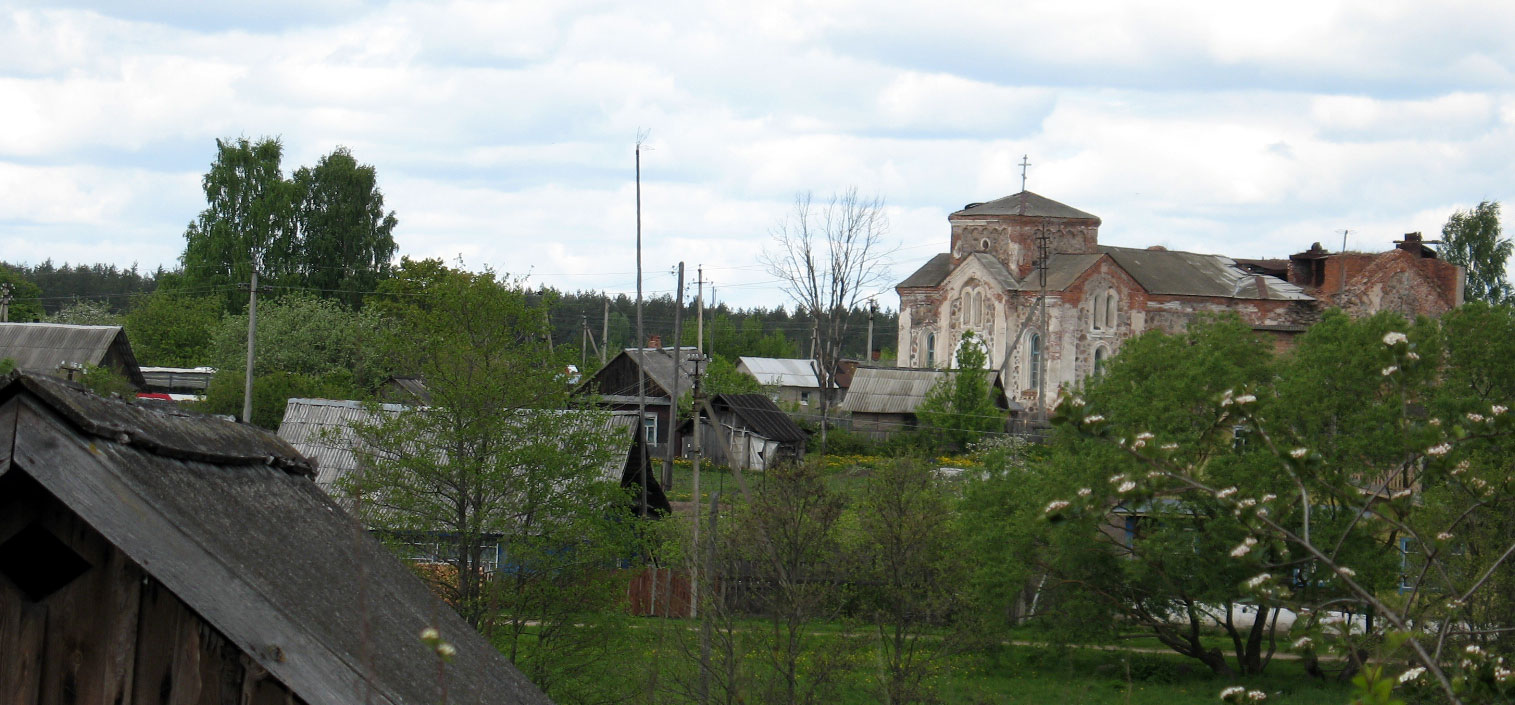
{"type": "Point", "coordinates": [1402, 282]}
{"type": "Point", "coordinates": [1011, 239]}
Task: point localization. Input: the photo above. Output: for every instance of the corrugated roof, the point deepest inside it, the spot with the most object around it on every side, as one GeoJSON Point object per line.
{"type": "Point", "coordinates": [322, 429]}
{"type": "Point", "coordinates": [761, 415]}
{"type": "Point", "coordinates": [931, 273]}
{"type": "Point", "coordinates": [1190, 274]}
{"type": "Point", "coordinates": [1025, 203]}
{"type": "Point", "coordinates": [261, 554]}
{"type": "Point", "coordinates": [893, 390]}
{"type": "Point", "coordinates": [44, 347]}
{"type": "Point", "coordinates": [781, 372]}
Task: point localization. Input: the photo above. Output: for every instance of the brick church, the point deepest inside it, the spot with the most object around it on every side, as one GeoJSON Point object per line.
{"type": "Point", "coordinates": [1097, 296]}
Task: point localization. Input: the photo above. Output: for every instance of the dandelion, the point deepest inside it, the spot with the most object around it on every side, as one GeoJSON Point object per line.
{"type": "Point", "coordinates": [1303, 643]}
{"type": "Point", "coordinates": [1444, 536]}
{"type": "Point", "coordinates": [1056, 505]}
{"type": "Point", "coordinates": [1126, 486]}
{"type": "Point", "coordinates": [1475, 417]}
{"type": "Point", "coordinates": [1085, 492]}
{"type": "Point", "coordinates": [1222, 494]}
{"type": "Point", "coordinates": [1439, 449]}
{"type": "Point", "coordinates": [1258, 580]}
{"type": "Point", "coordinates": [1345, 571]}
{"type": "Point", "coordinates": [1412, 674]}
{"type": "Point", "coordinates": [1244, 547]}
{"type": "Point", "coordinates": [1395, 338]}
{"type": "Point", "coordinates": [1391, 369]}
{"type": "Point", "coordinates": [1299, 453]}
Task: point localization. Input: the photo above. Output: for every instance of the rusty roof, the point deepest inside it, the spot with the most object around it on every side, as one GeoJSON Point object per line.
{"type": "Point", "coordinates": [1028, 204]}
{"type": "Point", "coordinates": [248, 543]}
{"type": "Point", "coordinates": [45, 347]}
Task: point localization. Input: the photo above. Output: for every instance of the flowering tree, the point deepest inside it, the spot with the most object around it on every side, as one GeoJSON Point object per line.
{"type": "Point", "coordinates": [1332, 505]}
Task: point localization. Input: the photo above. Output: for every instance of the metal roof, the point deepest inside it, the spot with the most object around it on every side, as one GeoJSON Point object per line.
{"type": "Point", "coordinates": [322, 429]}
{"type": "Point", "coordinates": [761, 415]}
{"type": "Point", "coordinates": [781, 372]}
{"type": "Point", "coordinates": [930, 274]}
{"type": "Point", "coordinates": [224, 516]}
{"type": "Point", "coordinates": [1025, 203]}
{"type": "Point", "coordinates": [893, 390]}
{"type": "Point", "coordinates": [45, 347]}
{"type": "Point", "coordinates": [1190, 274]}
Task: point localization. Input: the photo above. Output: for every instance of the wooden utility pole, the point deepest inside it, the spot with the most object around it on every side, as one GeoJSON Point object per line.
{"type": "Point", "coordinates": [872, 307]}
{"type": "Point", "coordinates": [252, 327]}
{"type": "Point", "coordinates": [678, 364]}
{"type": "Point", "coordinates": [584, 343]}
{"type": "Point", "coordinates": [605, 332]}
{"type": "Point", "coordinates": [641, 342]}
{"type": "Point", "coordinates": [699, 446]}
{"type": "Point", "coordinates": [5, 303]}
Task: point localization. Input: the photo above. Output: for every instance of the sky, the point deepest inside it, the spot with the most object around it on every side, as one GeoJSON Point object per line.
{"type": "Point", "coordinates": [503, 133]}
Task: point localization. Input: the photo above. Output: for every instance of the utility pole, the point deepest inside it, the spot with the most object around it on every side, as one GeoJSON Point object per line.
{"type": "Point", "coordinates": [5, 303]}
{"type": "Point", "coordinates": [605, 332]}
{"type": "Point", "coordinates": [252, 327]}
{"type": "Point", "coordinates": [584, 343]}
{"type": "Point", "coordinates": [641, 341]}
{"type": "Point", "coordinates": [1042, 337]}
{"type": "Point", "coordinates": [699, 451]}
{"type": "Point", "coordinates": [678, 364]}
{"type": "Point", "coordinates": [699, 298]}
{"type": "Point", "coordinates": [872, 308]}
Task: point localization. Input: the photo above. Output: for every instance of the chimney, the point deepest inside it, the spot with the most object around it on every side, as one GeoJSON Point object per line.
{"type": "Point", "coordinates": [655, 341]}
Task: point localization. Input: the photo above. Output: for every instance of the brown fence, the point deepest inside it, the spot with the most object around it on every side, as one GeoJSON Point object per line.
{"type": "Point", "coordinates": [659, 592]}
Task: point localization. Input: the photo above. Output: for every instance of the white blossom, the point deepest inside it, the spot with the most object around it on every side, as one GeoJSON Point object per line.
{"type": "Point", "coordinates": [1076, 402]}
{"type": "Point", "coordinates": [1475, 417]}
{"type": "Point", "coordinates": [1144, 436]}
{"type": "Point", "coordinates": [1246, 399]}
{"type": "Point", "coordinates": [1117, 479]}
{"type": "Point", "coordinates": [1246, 502]}
{"type": "Point", "coordinates": [1412, 674]}
{"type": "Point", "coordinates": [1395, 338]}
{"type": "Point", "coordinates": [1232, 691]}
{"type": "Point", "coordinates": [1268, 497]}
{"type": "Point", "coordinates": [1502, 674]}
{"type": "Point", "coordinates": [1222, 494]}
{"type": "Point", "coordinates": [1345, 571]}
{"type": "Point", "coordinates": [1462, 466]}
{"type": "Point", "coordinates": [1085, 492]}
{"type": "Point", "coordinates": [1391, 369]}
{"type": "Point", "coordinates": [1498, 409]}
{"type": "Point", "coordinates": [430, 634]}
{"type": "Point", "coordinates": [1256, 695]}
{"type": "Point", "coordinates": [1244, 547]}
{"type": "Point", "coordinates": [1434, 422]}
{"type": "Point", "coordinates": [446, 650]}
{"type": "Point", "coordinates": [1412, 355]}
{"type": "Point", "coordinates": [1439, 449]}
{"type": "Point", "coordinates": [1056, 505]}
{"type": "Point", "coordinates": [1303, 643]}
{"type": "Point", "coordinates": [1138, 443]}
{"type": "Point", "coordinates": [1473, 650]}
{"type": "Point", "coordinates": [1444, 536]}
{"type": "Point", "coordinates": [1401, 494]}
{"type": "Point", "coordinates": [1096, 418]}
{"type": "Point", "coordinates": [1258, 580]}
{"type": "Point", "coordinates": [1170, 446]}
{"type": "Point", "coordinates": [1299, 453]}
{"type": "Point", "coordinates": [1126, 486]}
{"type": "Point", "coordinates": [1262, 512]}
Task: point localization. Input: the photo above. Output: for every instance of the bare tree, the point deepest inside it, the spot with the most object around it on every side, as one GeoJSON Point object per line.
{"type": "Point", "coordinates": [827, 257]}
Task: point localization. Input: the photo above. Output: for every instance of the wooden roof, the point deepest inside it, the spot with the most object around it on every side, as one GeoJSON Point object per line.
{"type": "Point", "coordinates": [761, 415]}
{"type": "Point", "coordinates": [44, 347]}
{"type": "Point", "coordinates": [226, 517]}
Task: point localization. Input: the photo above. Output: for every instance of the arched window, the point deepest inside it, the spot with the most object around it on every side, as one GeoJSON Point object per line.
{"type": "Point", "coordinates": [931, 350]}
{"type": "Point", "coordinates": [984, 244]}
{"type": "Point", "coordinates": [1097, 311]}
{"type": "Point", "coordinates": [1034, 361]}
{"type": "Point", "coordinates": [978, 309]}
{"type": "Point", "coordinates": [1110, 301]}
{"type": "Point", "coordinates": [1099, 360]}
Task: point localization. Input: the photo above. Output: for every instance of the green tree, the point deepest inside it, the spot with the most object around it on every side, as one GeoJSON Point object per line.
{"type": "Point", "coordinates": [247, 219]}
{"type": "Point", "coordinates": [1474, 240]}
{"type": "Point", "coordinates": [83, 312]}
{"type": "Point", "coordinates": [960, 408]}
{"type": "Point", "coordinates": [496, 459]}
{"type": "Point", "coordinates": [169, 329]}
{"type": "Point", "coordinates": [345, 238]}
{"type": "Point", "coordinates": [26, 302]}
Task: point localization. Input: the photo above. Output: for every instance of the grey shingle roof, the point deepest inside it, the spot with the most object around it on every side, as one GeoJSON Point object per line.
{"type": "Point", "coordinates": [44, 347]}
{"type": "Point", "coordinates": [224, 517]}
{"type": "Point", "coordinates": [1025, 203]}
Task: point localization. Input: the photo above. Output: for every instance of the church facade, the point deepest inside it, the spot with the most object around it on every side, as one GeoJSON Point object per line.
{"type": "Point", "coordinates": [993, 282]}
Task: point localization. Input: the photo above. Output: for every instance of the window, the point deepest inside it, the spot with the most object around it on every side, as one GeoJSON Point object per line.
{"type": "Point", "coordinates": [984, 244]}
{"type": "Point", "coordinates": [650, 428]}
{"type": "Point", "coordinates": [978, 309]}
{"type": "Point", "coordinates": [804, 398]}
{"type": "Point", "coordinates": [1099, 360]}
{"type": "Point", "coordinates": [1097, 311]}
{"type": "Point", "coordinates": [931, 350]}
{"type": "Point", "coordinates": [1034, 361]}
{"type": "Point", "coordinates": [1110, 302]}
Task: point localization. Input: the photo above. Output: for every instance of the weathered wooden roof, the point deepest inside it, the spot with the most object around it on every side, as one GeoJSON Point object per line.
{"type": "Point", "coordinates": [322, 429]}
{"type": "Point", "coordinates": [226, 517]}
{"type": "Point", "coordinates": [781, 372]}
{"type": "Point", "coordinates": [44, 347]}
{"type": "Point", "coordinates": [761, 416]}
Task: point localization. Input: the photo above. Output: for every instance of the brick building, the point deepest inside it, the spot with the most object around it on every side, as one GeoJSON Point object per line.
{"type": "Point", "coordinates": [1097, 296]}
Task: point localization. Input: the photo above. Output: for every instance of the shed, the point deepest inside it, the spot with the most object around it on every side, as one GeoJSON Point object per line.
{"type": "Point", "coordinates": [883, 400]}
{"type": "Point", "coordinates": [56, 348]}
{"type": "Point", "coordinates": [753, 434]}
{"type": "Point", "coordinates": [148, 555]}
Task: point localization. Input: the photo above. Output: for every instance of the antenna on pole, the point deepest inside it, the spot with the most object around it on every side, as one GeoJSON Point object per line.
{"type": "Point", "coordinates": [1025, 162]}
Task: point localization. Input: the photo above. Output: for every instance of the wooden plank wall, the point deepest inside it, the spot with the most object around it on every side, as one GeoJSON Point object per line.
{"type": "Point", "coordinates": [114, 635]}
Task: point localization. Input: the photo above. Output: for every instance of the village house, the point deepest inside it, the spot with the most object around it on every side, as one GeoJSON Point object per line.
{"type": "Point", "coordinates": [1011, 255]}
{"type": "Point", "coordinates": [614, 387]}
{"type": "Point", "coordinates": [793, 383]}
{"type": "Point", "coordinates": [66, 350]}
{"type": "Point", "coordinates": [148, 555]}
{"type": "Point", "coordinates": [882, 401]}
{"type": "Point", "coordinates": [749, 431]}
